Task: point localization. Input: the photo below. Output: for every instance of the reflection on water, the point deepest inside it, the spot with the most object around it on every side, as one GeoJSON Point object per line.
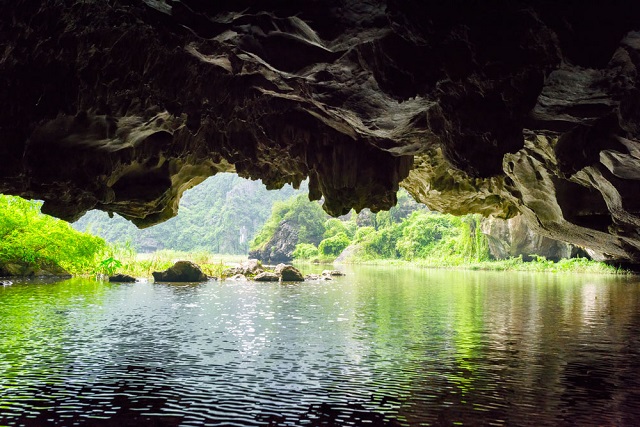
{"type": "Point", "coordinates": [379, 347]}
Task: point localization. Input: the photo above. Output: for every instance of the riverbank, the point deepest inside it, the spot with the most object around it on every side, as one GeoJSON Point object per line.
{"type": "Point", "coordinates": [142, 265]}
{"type": "Point", "coordinates": [539, 265]}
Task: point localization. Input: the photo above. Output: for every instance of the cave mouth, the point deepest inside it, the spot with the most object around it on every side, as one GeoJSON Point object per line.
{"type": "Point", "coordinates": [227, 214]}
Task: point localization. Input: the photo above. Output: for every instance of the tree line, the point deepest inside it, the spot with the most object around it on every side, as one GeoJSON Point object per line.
{"type": "Point", "coordinates": [408, 231]}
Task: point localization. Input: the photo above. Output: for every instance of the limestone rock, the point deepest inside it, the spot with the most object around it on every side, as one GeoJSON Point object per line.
{"type": "Point", "coordinates": [11, 269]}
{"type": "Point", "coordinates": [288, 273]}
{"type": "Point", "coordinates": [231, 271]}
{"type": "Point", "coordinates": [239, 278]}
{"type": "Point", "coordinates": [15, 269]}
{"type": "Point", "coordinates": [252, 266]}
{"type": "Point", "coordinates": [513, 238]}
{"type": "Point", "coordinates": [122, 278]}
{"type": "Point", "coordinates": [246, 268]}
{"type": "Point", "coordinates": [181, 271]}
{"type": "Point", "coordinates": [266, 276]}
{"type": "Point", "coordinates": [346, 255]}
{"type": "Point", "coordinates": [317, 277]}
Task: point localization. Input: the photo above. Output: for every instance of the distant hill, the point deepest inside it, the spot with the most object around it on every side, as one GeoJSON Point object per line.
{"type": "Point", "coordinates": [221, 215]}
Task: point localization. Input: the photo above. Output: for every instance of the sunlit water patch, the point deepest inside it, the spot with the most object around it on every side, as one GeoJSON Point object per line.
{"type": "Point", "coordinates": [379, 347]}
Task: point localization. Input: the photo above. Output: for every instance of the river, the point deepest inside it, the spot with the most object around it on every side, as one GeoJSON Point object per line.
{"type": "Point", "coordinates": [381, 346]}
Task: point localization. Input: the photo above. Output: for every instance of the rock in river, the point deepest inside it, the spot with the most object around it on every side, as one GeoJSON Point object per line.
{"type": "Point", "coordinates": [16, 269]}
{"type": "Point", "coordinates": [181, 271]}
{"type": "Point", "coordinates": [247, 268]}
{"type": "Point", "coordinates": [317, 277]}
{"type": "Point", "coordinates": [332, 273]}
{"type": "Point", "coordinates": [266, 276]}
{"type": "Point", "coordinates": [122, 278]}
{"type": "Point", "coordinates": [289, 273]}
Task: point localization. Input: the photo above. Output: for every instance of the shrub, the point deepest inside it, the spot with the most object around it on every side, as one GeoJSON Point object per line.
{"type": "Point", "coordinates": [362, 233]}
{"type": "Point", "coordinates": [305, 251]}
{"type": "Point", "coordinates": [28, 236]}
{"type": "Point", "coordinates": [334, 245]}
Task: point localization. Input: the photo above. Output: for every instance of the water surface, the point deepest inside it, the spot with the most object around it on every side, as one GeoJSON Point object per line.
{"type": "Point", "coordinates": [379, 347]}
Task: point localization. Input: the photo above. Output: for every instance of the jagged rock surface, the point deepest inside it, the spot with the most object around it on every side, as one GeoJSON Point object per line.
{"type": "Point", "coordinates": [332, 273]}
{"type": "Point", "coordinates": [267, 276]}
{"type": "Point", "coordinates": [513, 238]}
{"type": "Point", "coordinates": [503, 107]}
{"type": "Point", "coordinates": [249, 267]}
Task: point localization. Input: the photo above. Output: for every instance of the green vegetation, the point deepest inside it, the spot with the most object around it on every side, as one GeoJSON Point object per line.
{"type": "Point", "coordinates": [334, 245]}
{"type": "Point", "coordinates": [305, 217]}
{"type": "Point", "coordinates": [220, 215]}
{"type": "Point", "coordinates": [408, 233]}
{"type": "Point", "coordinates": [142, 265]}
{"type": "Point", "coordinates": [425, 235]}
{"type": "Point", "coordinates": [33, 239]}
{"type": "Point", "coordinates": [305, 251]}
{"type": "Point", "coordinates": [28, 237]}
{"type": "Point", "coordinates": [538, 265]}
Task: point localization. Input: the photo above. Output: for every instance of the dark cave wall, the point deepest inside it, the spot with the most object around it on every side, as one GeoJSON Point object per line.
{"type": "Point", "coordinates": [499, 107]}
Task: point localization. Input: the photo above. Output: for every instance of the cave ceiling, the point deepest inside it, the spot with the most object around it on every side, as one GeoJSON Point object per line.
{"type": "Point", "coordinates": [496, 107]}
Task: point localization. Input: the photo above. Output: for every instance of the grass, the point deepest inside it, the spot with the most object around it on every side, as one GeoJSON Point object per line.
{"type": "Point", "coordinates": [540, 264]}
{"type": "Point", "coordinates": [316, 260]}
{"type": "Point", "coordinates": [143, 265]}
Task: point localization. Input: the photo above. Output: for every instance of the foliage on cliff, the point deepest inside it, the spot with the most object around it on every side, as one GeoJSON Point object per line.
{"type": "Point", "coordinates": [293, 221]}
{"type": "Point", "coordinates": [28, 237]}
{"type": "Point", "coordinates": [424, 235]}
{"type": "Point", "coordinates": [408, 231]}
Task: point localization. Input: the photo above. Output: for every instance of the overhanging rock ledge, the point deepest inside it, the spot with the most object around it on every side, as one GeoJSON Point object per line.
{"type": "Point", "coordinates": [492, 107]}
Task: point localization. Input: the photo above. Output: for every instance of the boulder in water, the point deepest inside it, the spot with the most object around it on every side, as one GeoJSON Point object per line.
{"type": "Point", "coordinates": [122, 278]}
{"type": "Point", "coordinates": [288, 273]}
{"type": "Point", "coordinates": [252, 266]}
{"type": "Point", "coordinates": [317, 277]}
{"type": "Point", "coordinates": [332, 273]}
{"type": "Point", "coordinates": [181, 271]}
{"type": "Point", "coordinates": [49, 269]}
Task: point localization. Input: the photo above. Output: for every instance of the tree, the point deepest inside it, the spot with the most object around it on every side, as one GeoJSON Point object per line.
{"type": "Point", "coordinates": [423, 231]}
